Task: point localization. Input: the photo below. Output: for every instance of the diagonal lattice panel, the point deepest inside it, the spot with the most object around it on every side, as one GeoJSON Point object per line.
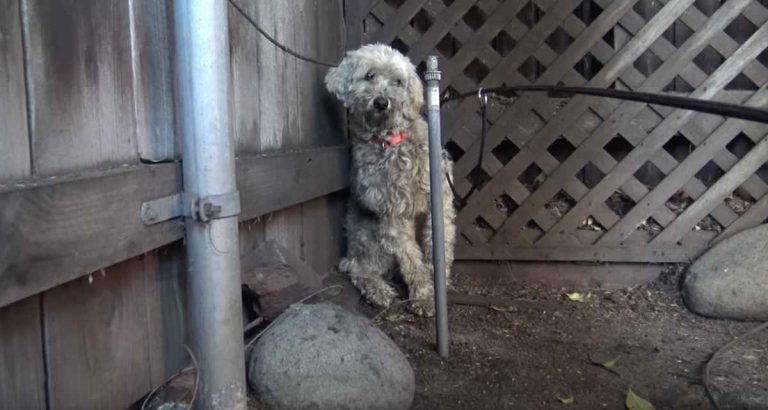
{"type": "Point", "coordinates": [588, 178]}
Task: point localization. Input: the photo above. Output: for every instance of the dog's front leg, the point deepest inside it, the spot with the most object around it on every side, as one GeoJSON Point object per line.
{"type": "Point", "coordinates": [399, 239]}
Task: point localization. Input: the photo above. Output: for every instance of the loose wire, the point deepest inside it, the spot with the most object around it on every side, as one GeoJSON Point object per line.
{"type": "Point", "coordinates": [280, 45]}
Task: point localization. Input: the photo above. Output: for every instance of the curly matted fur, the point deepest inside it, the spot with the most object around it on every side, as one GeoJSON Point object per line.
{"type": "Point", "coordinates": [389, 228]}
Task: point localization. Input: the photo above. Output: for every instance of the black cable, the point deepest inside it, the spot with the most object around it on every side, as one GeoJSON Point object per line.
{"type": "Point", "coordinates": [686, 103]}
{"type": "Point", "coordinates": [278, 44]}
{"type": "Point", "coordinates": [462, 200]}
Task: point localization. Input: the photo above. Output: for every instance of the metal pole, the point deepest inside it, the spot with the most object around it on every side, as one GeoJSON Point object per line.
{"type": "Point", "coordinates": [211, 203]}
{"type": "Point", "coordinates": [432, 76]}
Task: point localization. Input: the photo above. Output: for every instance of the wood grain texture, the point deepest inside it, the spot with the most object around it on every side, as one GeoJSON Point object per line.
{"type": "Point", "coordinates": [321, 123]}
{"type": "Point", "coordinates": [152, 56]}
{"type": "Point", "coordinates": [271, 182]}
{"type": "Point", "coordinates": [22, 374]}
{"type": "Point", "coordinates": [577, 253]}
{"type": "Point", "coordinates": [558, 275]}
{"type": "Point", "coordinates": [354, 14]}
{"type": "Point", "coordinates": [280, 104]}
{"type": "Point", "coordinates": [166, 304]}
{"type": "Point", "coordinates": [323, 231]}
{"type": "Point", "coordinates": [80, 81]}
{"type": "Point", "coordinates": [54, 231]}
{"type": "Point", "coordinates": [14, 139]}
{"type": "Point", "coordinates": [264, 78]}
{"type": "Point", "coordinates": [96, 339]}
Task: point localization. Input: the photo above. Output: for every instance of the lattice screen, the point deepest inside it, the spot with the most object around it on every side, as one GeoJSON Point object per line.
{"type": "Point", "coordinates": [589, 178]}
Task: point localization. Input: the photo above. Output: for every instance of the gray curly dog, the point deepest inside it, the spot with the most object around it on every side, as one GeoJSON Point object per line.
{"type": "Point", "coordinates": [389, 228]}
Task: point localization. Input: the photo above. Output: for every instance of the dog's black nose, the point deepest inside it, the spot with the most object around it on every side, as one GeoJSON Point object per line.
{"type": "Point", "coordinates": [380, 103]}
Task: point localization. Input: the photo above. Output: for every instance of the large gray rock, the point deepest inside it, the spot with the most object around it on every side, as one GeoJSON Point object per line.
{"type": "Point", "coordinates": [324, 357]}
{"type": "Point", "coordinates": [730, 280]}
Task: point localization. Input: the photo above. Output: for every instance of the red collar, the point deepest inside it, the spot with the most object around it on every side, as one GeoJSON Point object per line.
{"type": "Point", "coordinates": [394, 140]}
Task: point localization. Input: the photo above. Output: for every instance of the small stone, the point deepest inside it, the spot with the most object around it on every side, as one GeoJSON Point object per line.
{"type": "Point", "coordinates": [730, 280]}
{"type": "Point", "coordinates": [324, 357]}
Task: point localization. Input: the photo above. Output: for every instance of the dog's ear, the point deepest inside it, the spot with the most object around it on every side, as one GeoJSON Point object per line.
{"type": "Point", "coordinates": [416, 91]}
{"type": "Point", "coordinates": [339, 79]}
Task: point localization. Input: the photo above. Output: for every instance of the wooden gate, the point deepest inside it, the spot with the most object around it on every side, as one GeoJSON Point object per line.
{"type": "Point", "coordinates": [592, 179]}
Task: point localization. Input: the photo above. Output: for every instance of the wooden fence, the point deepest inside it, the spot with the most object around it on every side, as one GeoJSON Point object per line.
{"type": "Point", "coordinates": [591, 179]}
{"type": "Point", "coordinates": [91, 300]}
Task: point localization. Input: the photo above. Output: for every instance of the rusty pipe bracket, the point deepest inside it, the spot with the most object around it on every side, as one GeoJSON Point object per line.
{"type": "Point", "coordinates": [215, 206]}
{"type": "Point", "coordinates": [200, 209]}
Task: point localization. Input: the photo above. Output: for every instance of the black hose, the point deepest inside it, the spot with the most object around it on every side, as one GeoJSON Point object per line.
{"type": "Point", "coordinates": [686, 103]}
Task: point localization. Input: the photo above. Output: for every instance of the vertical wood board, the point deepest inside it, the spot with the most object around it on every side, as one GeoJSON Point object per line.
{"type": "Point", "coordinates": [152, 45]}
{"type": "Point", "coordinates": [96, 339]}
{"type": "Point", "coordinates": [22, 373]}
{"type": "Point", "coordinates": [14, 139]}
{"type": "Point", "coordinates": [80, 80]}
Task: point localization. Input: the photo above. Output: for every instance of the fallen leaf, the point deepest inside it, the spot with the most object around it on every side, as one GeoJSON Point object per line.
{"type": "Point", "coordinates": [565, 400]}
{"type": "Point", "coordinates": [600, 360]}
{"type": "Point", "coordinates": [635, 402]}
{"type": "Point", "coordinates": [396, 317]}
{"type": "Point", "coordinates": [579, 296]}
{"type": "Point", "coordinates": [610, 364]}
{"type": "Point", "coordinates": [501, 308]}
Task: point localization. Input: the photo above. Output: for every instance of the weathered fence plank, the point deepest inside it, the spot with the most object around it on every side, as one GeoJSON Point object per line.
{"type": "Point", "coordinates": [579, 253]}
{"type": "Point", "coordinates": [78, 57]}
{"type": "Point", "coordinates": [151, 44]}
{"type": "Point", "coordinates": [271, 182]}
{"type": "Point", "coordinates": [96, 339]}
{"type": "Point", "coordinates": [571, 276]}
{"type": "Point", "coordinates": [22, 375]}
{"type": "Point", "coordinates": [165, 282]}
{"type": "Point", "coordinates": [54, 232]}
{"type": "Point", "coordinates": [14, 139]}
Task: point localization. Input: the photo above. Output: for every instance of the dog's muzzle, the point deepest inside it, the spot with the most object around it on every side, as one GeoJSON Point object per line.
{"type": "Point", "coordinates": [380, 103]}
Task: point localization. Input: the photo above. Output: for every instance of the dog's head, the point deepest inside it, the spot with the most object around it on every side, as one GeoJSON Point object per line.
{"type": "Point", "coordinates": [378, 85]}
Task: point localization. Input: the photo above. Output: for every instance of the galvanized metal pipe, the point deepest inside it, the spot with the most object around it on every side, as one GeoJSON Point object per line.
{"type": "Point", "coordinates": [432, 76]}
{"type": "Point", "coordinates": [212, 205]}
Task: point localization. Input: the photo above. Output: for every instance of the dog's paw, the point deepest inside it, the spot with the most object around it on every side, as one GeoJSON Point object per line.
{"type": "Point", "coordinates": [377, 293]}
{"type": "Point", "coordinates": [422, 300]}
{"type": "Point", "coordinates": [422, 307]}
{"type": "Point", "coordinates": [345, 265]}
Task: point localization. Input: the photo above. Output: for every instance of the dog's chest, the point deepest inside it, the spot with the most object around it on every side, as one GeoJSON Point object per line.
{"type": "Point", "coordinates": [403, 167]}
{"type": "Point", "coordinates": [395, 179]}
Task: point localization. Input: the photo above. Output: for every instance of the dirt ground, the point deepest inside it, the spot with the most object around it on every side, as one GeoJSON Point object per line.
{"type": "Point", "coordinates": [545, 351]}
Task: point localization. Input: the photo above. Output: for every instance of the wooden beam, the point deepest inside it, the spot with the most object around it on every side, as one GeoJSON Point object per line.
{"type": "Point", "coordinates": [649, 254]}
{"type": "Point", "coordinates": [272, 182]}
{"type": "Point", "coordinates": [556, 275]}
{"type": "Point", "coordinates": [56, 231]}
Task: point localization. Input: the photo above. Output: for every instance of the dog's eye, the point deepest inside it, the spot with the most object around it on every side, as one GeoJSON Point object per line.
{"type": "Point", "coordinates": [370, 76]}
{"type": "Point", "coordinates": [399, 83]}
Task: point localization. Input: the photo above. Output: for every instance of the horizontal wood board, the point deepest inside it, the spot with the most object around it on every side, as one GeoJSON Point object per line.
{"type": "Point", "coordinates": [54, 231]}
